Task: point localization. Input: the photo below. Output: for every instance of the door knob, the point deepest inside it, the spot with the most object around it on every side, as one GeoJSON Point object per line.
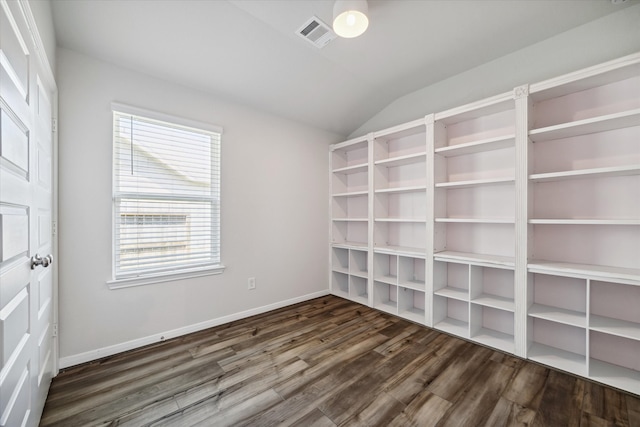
{"type": "Point", "coordinates": [37, 260]}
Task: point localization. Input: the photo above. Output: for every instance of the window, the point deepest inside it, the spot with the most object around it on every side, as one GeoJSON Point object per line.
{"type": "Point", "coordinates": [166, 195]}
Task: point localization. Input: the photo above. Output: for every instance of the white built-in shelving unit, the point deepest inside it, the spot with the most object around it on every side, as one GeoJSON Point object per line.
{"type": "Point", "coordinates": [472, 153]}
{"type": "Point", "coordinates": [584, 223]}
{"type": "Point", "coordinates": [513, 222]}
{"type": "Point", "coordinates": [350, 220]}
{"type": "Point", "coordinates": [399, 220]}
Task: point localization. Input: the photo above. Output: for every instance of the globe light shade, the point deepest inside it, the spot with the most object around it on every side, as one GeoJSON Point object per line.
{"type": "Point", "coordinates": [350, 18]}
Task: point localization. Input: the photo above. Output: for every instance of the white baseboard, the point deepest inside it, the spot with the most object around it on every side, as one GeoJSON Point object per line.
{"type": "Point", "coordinates": [88, 356]}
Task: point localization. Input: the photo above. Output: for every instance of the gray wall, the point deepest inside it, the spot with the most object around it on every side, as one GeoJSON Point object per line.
{"type": "Point", "coordinates": [601, 40]}
{"type": "Point", "coordinates": [274, 214]}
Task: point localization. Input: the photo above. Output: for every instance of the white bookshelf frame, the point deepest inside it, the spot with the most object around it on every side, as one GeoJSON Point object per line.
{"type": "Point", "coordinates": [511, 294]}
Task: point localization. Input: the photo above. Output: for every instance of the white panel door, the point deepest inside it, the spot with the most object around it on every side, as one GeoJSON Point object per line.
{"type": "Point", "coordinates": [26, 293]}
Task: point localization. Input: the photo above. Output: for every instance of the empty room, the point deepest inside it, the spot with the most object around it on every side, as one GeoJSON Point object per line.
{"type": "Point", "coordinates": [320, 213]}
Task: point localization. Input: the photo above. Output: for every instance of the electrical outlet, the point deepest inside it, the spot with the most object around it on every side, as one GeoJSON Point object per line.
{"type": "Point", "coordinates": [252, 283]}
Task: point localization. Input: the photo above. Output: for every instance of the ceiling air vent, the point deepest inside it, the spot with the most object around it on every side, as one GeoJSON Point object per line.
{"type": "Point", "coordinates": [316, 32]}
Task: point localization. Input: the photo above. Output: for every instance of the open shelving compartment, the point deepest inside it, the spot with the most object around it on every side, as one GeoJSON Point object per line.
{"type": "Point", "coordinates": [451, 298]}
{"type": "Point", "coordinates": [614, 334]}
{"type": "Point", "coordinates": [491, 294]}
{"type": "Point", "coordinates": [399, 178]}
{"type": "Point", "coordinates": [385, 281]}
{"type": "Point", "coordinates": [584, 223]}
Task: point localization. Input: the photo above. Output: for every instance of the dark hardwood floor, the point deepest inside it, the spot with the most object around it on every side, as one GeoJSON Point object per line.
{"type": "Point", "coordinates": [327, 362]}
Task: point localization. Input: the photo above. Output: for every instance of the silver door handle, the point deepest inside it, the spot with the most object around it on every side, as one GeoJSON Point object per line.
{"type": "Point", "coordinates": [37, 260]}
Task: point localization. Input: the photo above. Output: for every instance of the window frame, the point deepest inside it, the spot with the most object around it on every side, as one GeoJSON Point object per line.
{"type": "Point", "coordinates": [165, 275]}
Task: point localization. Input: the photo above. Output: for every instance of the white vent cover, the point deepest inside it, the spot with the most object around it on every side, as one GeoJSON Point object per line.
{"type": "Point", "coordinates": [316, 32]}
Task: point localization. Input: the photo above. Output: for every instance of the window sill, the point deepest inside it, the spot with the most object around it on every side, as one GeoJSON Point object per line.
{"type": "Point", "coordinates": [164, 277]}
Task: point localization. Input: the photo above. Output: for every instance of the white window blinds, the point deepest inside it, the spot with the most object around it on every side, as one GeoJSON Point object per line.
{"type": "Point", "coordinates": [166, 196]}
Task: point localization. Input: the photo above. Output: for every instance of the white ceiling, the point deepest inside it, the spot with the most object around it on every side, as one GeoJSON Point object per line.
{"type": "Point", "coordinates": [247, 51]}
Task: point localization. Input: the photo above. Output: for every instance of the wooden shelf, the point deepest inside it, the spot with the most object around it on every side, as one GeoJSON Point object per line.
{"type": "Point", "coordinates": [587, 126]}
{"type": "Point", "coordinates": [477, 220]}
{"type": "Point", "coordinates": [585, 221]}
{"type": "Point", "coordinates": [479, 146]}
{"type": "Point", "coordinates": [495, 339]}
{"type": "Point", "coordinates": [558, 315]}
{"type": "Point", "coordinates": [453, 293]}
{"type": "Point", "coordinates": [402, 160]}
{"type": "Point", "coordinates": [475, 182]}
{"type": "Point", "coordinates": [586, 173]}
{"type": "Point", "coordinates": [556, 358]}
{"type": "Point", "coordinates": [611, 326]}
{"type": "Point", "coordinates": [348, 170]}
{"type": "Point", "coordinates": [588, 271]}
{"type": "Point", "coordinates": [476, 259]}
{"type": "Point", "coordinates": [495, 301]}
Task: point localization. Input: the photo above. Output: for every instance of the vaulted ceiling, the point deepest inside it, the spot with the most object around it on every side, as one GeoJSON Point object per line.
{"type": "Point", "coordinates": [247, 51]}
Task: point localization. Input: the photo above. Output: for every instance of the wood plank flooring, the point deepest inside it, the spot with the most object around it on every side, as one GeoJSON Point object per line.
{"type": "Point", "coordinates": [327, 362]}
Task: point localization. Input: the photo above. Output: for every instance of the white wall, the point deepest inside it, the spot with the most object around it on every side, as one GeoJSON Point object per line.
{"type": "Point", "coordinates": [274, 214]}
{"type": "Point", "coordinates": [607, 38]}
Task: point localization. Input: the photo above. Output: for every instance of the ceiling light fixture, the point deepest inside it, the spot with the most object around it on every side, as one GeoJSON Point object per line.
{"type": "Point", "coordinates": [350, 18]}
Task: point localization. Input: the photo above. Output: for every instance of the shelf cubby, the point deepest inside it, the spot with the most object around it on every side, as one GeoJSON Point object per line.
{"type": "Point", "coordinates": [340, 284]}
{"type": "Point", "coordinates": [492, 327]}
{"type": "Point", "coordinates": [350, 155]}
{"type": "Point", "coordinates": [385, 297]}
{"type": "Point", "coordinates": [589, 244]}
{"type": "Point", "coordinates": [558, 345]}
{"type": "Point", "coordinates": [493, 288]}
{"type": "Point", "coordinates": [406, 205]}
{"type": "Point", "coordinates": [358, 290]}
{"type": "Point", "coordinates": [350, 233]}
{"type": "Point", "coordinates": [358, 263]}
{"type": "Point", "coordinates": [614, 360]}
{"type": "Point", "coordinates": [558, 299]}
{"type": "Point", "coordinates": [587, 126]}
{"type": "Point", "coordinates": [350, 183]}
{"type": "Point", "coordinates": [352, 207]}
{"type": "Point", "coordinates": [451, 316]}
{"type": "Point", "coordinates": [411, 304]}
{"type": "Point", "coordinates": [406, 237]}
{"type": "Point", "coordinates": [411, 273]}
{"type": "Point", "coordinates": [340, 260]}
{"type": "Point", "coordinates": [385, 268]}
{"type": "Point", "coordinates": [615, 309]}
{"type": "Point", "coordinates": [451, 280]}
